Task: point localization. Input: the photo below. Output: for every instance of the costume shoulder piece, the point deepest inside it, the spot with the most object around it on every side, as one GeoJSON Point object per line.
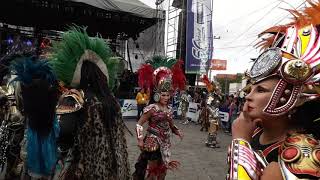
{"type": "Point", "coordinates": [155, 107]}
{"type": "Point", "coordinates": [299, 157]}
{"type": "Point", "coordinates": [151, 106]}
{"type": "Point", "coordinates": [70, 101]}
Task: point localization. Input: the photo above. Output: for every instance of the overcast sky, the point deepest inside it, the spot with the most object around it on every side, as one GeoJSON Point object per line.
{"type": "Point", "coordinates": [238, 22]}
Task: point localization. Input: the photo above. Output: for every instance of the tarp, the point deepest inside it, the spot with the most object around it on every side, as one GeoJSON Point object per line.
{"type": "Point", "coordinates": [150, 42]}
{"type": "Point", "coordinates": [135, 7]}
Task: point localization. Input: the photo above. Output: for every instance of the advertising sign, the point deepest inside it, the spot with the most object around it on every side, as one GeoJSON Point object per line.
{"type": "Point", "coordinates": [193, 112]}
{"type": "Point", "coordinates": [218, 64]}
{"type": "Point", "coordinates": [226, 76]}
{"type": "Point", "coordinates": [224, 116]}
{"type": "Point", "coordinates": [199, 36]}
{"type": "Point", "coordinates": [129, 108]}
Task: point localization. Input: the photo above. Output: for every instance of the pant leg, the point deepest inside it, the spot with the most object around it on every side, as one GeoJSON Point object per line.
{"type": "Point", "coordinates": [139, 111]}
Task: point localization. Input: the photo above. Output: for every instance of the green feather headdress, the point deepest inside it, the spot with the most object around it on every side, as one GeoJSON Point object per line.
{"type": "Point", "coordinates": [161, 61]}
{"type": "Point", "coordinates": [75, 47]}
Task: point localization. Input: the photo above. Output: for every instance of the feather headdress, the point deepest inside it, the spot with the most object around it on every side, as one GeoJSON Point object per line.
{"type": "Point", "coordinates": [210, 85]}
{"type": "Point", "coordinates": [39, 95]}
{"type": "Point", "coordinates": [162, 74]}
{"type": "Point", "coordinates": [75, 47]}
{"type": "Point", "coordinates": [291, 52]}
{"type": "Point", "coordinates": [27, 69]}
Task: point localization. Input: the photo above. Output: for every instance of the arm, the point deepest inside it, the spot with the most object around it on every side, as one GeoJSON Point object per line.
{"type": "Point", "coordinates": [242, 159]}
{"type": "Point", "coordinates": [139, 127]}
{"type": "Point", "coordinates": [174, 128]}
{"type": "Point", "coordinates": [137, 96]}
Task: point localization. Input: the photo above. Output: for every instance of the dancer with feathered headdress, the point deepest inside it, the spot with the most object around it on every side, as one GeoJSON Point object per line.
{"type": "Point", "coordinates": [209, 115]}
{"type": "Point", "coordinates": [39, 93]}
{"type": "Point", "coordinates": [86, 66]}
{"type": "Point", "coordinates": [154, 159]}
{"type": "Point", "coordinates": [283, 101]}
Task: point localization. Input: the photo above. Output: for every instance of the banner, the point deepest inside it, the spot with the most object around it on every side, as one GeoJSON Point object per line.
{"type": "Point", "coordinates": [224, 116]}
{"type": "Point", "coordinates": [193, 112]}
{"type": "Point", "coordinates": [129, 108]}
{"type": "Point", "coordinates": [198, 36]}
{"type": "Point", "coordinates": [217, 64]}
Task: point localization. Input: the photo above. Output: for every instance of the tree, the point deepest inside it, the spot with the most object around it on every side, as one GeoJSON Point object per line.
{"type": "Point", "coordinates": [224, 82]}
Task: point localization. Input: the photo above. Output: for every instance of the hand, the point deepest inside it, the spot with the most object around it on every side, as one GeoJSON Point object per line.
{"type": "Point", "coordinates": [180, 134]}
{"type": "Point", "coordinates": [244, 126]}
{"type": "Point", "coordinates": [272, 171]}
{"type": "Point", "coordinates": [140, 144]}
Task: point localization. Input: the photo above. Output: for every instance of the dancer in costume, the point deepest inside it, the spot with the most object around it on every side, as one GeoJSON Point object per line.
{"type": "Point", "coordinates": [184, 105]}
{"type": "Point", "coordinates": [86, 64]}
{"type": "Point", "coordinates": [39, 94]}
{"type": "Point", "coordinates": [283, 101]}
{"type": "Point", "coordinates": [11, 119]}
{"type": "Point", "coordinates": [211, 114]}
{"type": "Point", "coordinates": [204, 113]}
{"type": "Point", "coordinates": [154, 159]}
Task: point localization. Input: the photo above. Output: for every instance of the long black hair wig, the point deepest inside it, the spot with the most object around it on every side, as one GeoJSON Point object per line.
{"type": "Point", "coordinates": [39, 93]}
{"type": "Point", "coordinates": [93, 80]}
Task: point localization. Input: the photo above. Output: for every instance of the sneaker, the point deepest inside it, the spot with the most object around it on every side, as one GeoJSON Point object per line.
{"type": "Point", "coordinates": [186, 122]}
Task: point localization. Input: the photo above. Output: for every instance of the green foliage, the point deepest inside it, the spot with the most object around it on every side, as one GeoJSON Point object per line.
{"type": "Point", "coordinates": [224, 83]}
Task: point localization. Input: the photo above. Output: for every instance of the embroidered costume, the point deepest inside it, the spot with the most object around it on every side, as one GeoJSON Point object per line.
{"type": "Point", "coordinates": [210, 113]}
{"type": "Point", "coordinates": [292, 55]}
{"type": "Point", "coordinates": [154, 159]}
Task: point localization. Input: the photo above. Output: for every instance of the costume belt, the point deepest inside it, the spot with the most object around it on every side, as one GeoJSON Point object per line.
{"type": "Point", "coordinates": [158, 132]}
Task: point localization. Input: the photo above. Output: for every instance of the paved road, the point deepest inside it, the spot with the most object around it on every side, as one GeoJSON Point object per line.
{"type": "Point", "coordinates": [197, 161]}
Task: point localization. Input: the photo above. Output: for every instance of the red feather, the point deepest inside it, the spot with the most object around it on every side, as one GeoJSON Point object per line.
{"type": "Point", "coordinates": [145, 77]}
{"type": "Point", "coordinates": [178, 77]}
{"type": "Point", "coordinates": [206, 80]}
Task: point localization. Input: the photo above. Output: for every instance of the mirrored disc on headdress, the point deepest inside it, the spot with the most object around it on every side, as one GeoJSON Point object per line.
{"type": "Point", "coordinates": [266, 63]}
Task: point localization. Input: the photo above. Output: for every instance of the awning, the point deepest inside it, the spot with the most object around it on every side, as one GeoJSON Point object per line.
{"type": "Point", "coordinates": [135, 7]}
{"type": "Point", "coordinates": [110, 18]}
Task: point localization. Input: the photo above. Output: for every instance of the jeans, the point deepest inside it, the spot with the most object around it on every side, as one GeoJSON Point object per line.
{"type": "Point", "coordinates": [140, 110]}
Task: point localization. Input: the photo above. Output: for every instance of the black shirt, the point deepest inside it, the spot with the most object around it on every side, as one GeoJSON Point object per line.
{"type": "Point", "coordinates": [270, 151]}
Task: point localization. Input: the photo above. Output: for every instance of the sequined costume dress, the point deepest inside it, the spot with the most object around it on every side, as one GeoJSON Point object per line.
{"type": "Point", "coordinates": [156, 142]}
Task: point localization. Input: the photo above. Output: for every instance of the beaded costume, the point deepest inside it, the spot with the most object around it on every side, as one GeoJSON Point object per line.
{"type": "Point", "coordinates": [210, 113]}
{"type": "Point", "coordinates": [156, 143]}
{"type": "Point", "coordinates": [292, 55]}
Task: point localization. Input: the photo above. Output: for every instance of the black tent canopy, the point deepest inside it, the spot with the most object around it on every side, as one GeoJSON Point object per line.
{"type": "Point", "coordinates": [110, 18]}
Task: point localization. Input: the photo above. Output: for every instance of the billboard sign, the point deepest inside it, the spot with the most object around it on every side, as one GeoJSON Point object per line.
{"type": "Point", "coordinates": [226, 76]}
{"type": "Point", "coordinates": [218, 64]}
{"type": "Point", "coordinates": [199, 36]}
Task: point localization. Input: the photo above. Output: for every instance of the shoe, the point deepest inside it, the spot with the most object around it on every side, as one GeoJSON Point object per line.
{"type": "Point", "coordinates": [186, 122]}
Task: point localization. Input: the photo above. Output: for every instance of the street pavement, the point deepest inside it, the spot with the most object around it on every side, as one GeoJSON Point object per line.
{"type": "Point", "coordinates": [198, 162]}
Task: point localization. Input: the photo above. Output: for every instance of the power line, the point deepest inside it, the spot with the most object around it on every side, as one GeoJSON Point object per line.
{"type": "Point", "coordinates": [231, 47]}
{"type": "Point", "coordinates": [248, 14]}
{"type": "Point", "coordinates": [256, 22]}
{"type": "Point", "coordinates": [281, 19]}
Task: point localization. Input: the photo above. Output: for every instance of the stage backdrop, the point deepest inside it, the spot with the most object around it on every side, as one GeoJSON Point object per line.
{"type": "Point", "coordinates": [199, 36]}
